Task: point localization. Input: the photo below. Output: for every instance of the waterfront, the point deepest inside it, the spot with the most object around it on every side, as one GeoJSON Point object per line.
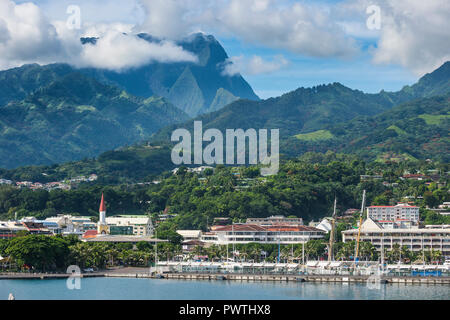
{"type": "Point", "coordinates": [155, 289]}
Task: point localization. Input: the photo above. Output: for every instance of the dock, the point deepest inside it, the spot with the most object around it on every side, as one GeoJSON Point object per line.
{"type": "Point", "coordinates": [144, 273]}
{"type": "Point", "coordinates": [286, 278]}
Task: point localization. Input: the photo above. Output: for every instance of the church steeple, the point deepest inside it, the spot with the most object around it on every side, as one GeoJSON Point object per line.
{"type": "Point", "coordinates": [102, 205]}
{"type": "Point", "coordinates": [102, 227]}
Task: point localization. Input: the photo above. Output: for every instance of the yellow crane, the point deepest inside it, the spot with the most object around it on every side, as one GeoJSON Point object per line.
{"type": "Point", "coordinates": [360, 223]}
{"type": "Point", "coordinates": [333, 223]}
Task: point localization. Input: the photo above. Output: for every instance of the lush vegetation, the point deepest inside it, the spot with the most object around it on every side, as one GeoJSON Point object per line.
{"type": "Point", "coordinates": [75, 117]}
{"type": "Point", "coordinates": [44, 253]}
{"type": "Point", "coordinates": [304, 187]}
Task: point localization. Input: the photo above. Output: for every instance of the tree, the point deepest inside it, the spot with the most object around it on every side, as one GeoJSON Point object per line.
{"type": "Point", "coordinates": [315, 249]}
{"type": "Point", "coordinates": [367, 251]}
{"type": "Point", "coordinates": [39, 252]}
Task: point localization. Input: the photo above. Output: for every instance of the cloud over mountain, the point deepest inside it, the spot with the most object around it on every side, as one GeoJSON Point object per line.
{"type": "Point", "coordinates": [27, 36]}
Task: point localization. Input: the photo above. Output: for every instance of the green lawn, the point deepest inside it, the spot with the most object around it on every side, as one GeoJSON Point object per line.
{"type": "Point", "coordinates": [434, 119]}
{"type": "Point", "coordinates": [397, 129]}
{"type": "Point", "coordinates": [315, 136]}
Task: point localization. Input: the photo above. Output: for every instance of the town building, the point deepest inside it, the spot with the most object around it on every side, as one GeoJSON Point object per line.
{"type": "Point", "coordinates": [247, 233]}
{"type": "Point", "coordinates": [416, 239]}
{"type": "Point", "coordinates": [68, 224]}
{"type": "Point", "coordinates": [393, 213]}
{"type": "Point", "coordinates": [190, 234]}
{"type": "Point", "coordinates": [9, 229]}
{"type": "Point", "coordinates": [141, 225]}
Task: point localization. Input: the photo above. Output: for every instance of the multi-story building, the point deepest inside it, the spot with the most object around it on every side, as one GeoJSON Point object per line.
{"type": "Point", "coordinates": [68, 224]}
{"type": "Point", "coordinates": [9, 229]}
{"type": "Point", "coordinates": [393, 213]}
{"type": "Point", "coordinates": [247, 233]}
{"type": "Point", "coordinates": [416, 239]}
{"type": "Point", "coordinates": [142, 225]}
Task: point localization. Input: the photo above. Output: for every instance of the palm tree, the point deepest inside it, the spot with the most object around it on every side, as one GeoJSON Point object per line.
{"type": "Point", "coordinates": [368, 251]}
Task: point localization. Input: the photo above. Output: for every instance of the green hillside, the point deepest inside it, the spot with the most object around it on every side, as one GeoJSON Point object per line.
{"type": "Point", "coordinates": [413, 130]}
{"type": "Point", "coordinates": [76, 117]}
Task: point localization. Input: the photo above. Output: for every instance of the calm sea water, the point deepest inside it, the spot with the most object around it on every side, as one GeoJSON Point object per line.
{"type": "Point", "coordinates": [153, 289]}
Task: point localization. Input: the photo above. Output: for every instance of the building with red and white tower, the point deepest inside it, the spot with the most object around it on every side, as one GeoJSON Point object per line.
{"type": "Point", "coordinates": [102, 227]}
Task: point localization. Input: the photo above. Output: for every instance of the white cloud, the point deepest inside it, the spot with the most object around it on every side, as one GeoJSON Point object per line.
{"type": "Point", "coordinates": [27, 36]}
{"type": "Point", "coordinates": [414, 34]}
{"type": "Point", "coordinates": [116, 51]}
{"type": "Point", "coordinates": [24, 31]}
{"type": "Point", "coordinates": [165, 18]}
{"type": "Point", "coordinates": [296, 27]}
{"type": "Point", "coordinates": [253, 66]}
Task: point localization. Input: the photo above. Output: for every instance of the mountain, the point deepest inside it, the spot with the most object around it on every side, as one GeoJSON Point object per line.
{"type": "Point", "coordinates": [413, 130]}
{"type": "Point", "coordinates": [76, 117]}
{"type": "Point", "coordinates": [302, 110]}
{"type": "Point", "coordinates": [195, 88]}
{"type": "Point", "coordinates": [17, 83]}
{"type": "Point", "coordinates": [307, 117]}
{"type": "Point", "coordinates": [435, 83]}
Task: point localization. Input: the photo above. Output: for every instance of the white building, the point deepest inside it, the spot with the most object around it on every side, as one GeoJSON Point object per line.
{"type": "Point", "coordinates": [142, 225]}
{"type": "Point", "coordinates": [68, 224]}
{"type": "Point", "coordinates": [190, 234]}
{"type": "Point", "coordinates": [393, 213]}
{"type": "Point", "coordinates": [415, 239]}
{"type": "Point", "coordinates": [247, 233]}
{"type": "Point", "coordinates": [9, 229]}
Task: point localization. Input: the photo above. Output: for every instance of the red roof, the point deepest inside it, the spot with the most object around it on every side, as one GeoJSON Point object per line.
{"type": "Point", "coordinates": [102, 205]}
{"type": "Point", "coordinates": [254, 227]}
{"type": "Point", "coordinates": [90, 234]}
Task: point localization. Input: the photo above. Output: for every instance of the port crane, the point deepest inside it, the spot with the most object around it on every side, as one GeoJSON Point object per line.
{"type": "Point", "coordinates": [363, 205]}
{"type": "Point", "coordinates": [333, 223]}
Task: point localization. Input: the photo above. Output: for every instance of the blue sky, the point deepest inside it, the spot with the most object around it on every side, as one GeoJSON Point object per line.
{"type": "Point", "coordinates": [357, 73]}
{"type": "Point", "coordinates": [277, 45]}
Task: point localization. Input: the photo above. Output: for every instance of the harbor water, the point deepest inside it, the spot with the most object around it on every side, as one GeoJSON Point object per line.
{"type": "Point", "coordinates": [162, 289]}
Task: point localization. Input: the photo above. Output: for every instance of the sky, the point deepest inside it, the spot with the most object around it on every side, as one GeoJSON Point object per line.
{"type": "Point", "coordinates": [277, 45]}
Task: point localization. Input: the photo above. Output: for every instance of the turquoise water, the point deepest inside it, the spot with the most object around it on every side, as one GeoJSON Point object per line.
{"type": "Point", "coordinates": [152, 289]}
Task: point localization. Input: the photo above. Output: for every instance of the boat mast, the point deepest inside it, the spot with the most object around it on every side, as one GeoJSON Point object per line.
{"type": "Point", "coordinates": [333, 222]}
{"type": "Point", "coordinates": [363, 204]}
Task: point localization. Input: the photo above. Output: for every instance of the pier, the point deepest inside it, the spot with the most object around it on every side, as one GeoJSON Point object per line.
{"type": "Point", "coordinates": [285, 278]}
